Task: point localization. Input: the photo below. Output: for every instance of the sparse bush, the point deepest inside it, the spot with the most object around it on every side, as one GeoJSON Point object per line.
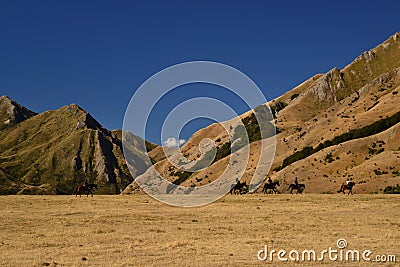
{"type": "Point", "coordinates": [305, 152]}
{"type": "Point", "coordinates": [183, 176]}
{"type": "Point", "coordinates": [329, 158]}
{"type": "Point", "coordinates": [392, 189]}
{"type": "Point", "coordinates": [365, 131]}
{"type": "Point", "coordinates": [294, 96]}
{"type": "Point", "coordinates": [378, 172]}
{"type": "Point", "coordinates": [223, 151]}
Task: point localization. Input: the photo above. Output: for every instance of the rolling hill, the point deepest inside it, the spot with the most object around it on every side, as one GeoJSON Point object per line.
{"type": "Point", "coordinates": [340, 125]}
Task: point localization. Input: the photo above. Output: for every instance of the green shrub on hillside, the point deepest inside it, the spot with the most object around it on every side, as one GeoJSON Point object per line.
{"type": "Point", "coordinates": [392, 189]}
{"type": "Point", "coordinates": [183, 176]}
{"type": "Point", "coordinates": [374, 128]}
{"type": "Point", "coordinates": [223, 151]}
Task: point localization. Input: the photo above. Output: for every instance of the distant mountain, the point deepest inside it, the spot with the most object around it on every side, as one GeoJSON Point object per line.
{"type": "Point", "coordinates": [335, 126]}
{"type": "Point", "coordinates": [51, 152]}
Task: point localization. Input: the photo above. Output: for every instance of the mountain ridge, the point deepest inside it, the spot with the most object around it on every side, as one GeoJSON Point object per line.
{"type": "Point", "coordinates": [12, 113]}
{"type": "Point", "coordinates": [51, 152]}
{"type": "Point", "coordinates": [318, 110]}
{"type": "Point", "coordinates": [332, 127]}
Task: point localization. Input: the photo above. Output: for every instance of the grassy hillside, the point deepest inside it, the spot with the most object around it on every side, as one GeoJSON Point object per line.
{"type": "Point", "coordinates": [60, 149]}
{"type": "Point", "coordinates": [322, 114]}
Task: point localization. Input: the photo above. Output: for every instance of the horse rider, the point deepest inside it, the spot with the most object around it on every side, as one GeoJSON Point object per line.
{"type": "Point", "coordinates": [296, 183]}
{"type": "Point", "coordinates": [269, 181]}
{"type": "Point", "coordinates": [348, 181]}
{"type": "Point", "coordinates": [237, 180]}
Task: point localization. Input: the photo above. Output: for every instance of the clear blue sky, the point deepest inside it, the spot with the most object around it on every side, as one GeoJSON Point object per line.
{"type": "Point", "coordinates": [96, 53]}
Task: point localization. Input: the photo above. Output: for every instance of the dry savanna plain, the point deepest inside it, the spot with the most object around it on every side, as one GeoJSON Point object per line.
{"type": "Point", "coordinates": [136, 230]}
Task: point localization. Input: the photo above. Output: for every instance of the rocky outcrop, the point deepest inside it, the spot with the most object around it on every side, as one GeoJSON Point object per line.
{"type": "Point", "coordinates": [12, 113]}
{"type": "Point", "coordinates": [326, 87]}
{"type": "Point", "coordinates": [367, 56]}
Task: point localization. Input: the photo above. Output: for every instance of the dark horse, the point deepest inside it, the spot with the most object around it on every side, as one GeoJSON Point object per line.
{"type": "Point", "coordinates": [85, 188]}
{"type": "Point", "coordinates": [239, 188]}
{"type": "Point", "coordinates": [300, 188]}
{"type": "Point", "coordinates": [272, 186]}
{"type": "Point", "coordinates": [348, 186]}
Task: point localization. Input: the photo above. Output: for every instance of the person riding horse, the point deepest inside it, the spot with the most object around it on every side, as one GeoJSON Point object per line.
{"type": "Point", "coordinates": [347, 186]}
{"type": "Point", "coordinates": [296, 186]}
{"type": "Point", "coordinates": [85, 187]}
{"type": "Point", "coordinates": [239, 188]}
{"type": "Point", "coordinates": [270, 186]}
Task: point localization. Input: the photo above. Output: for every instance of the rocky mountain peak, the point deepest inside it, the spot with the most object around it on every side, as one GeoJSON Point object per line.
{"type": "Point", "coordinates": [12, 113]}
{"type": "Point", "coordinates": [85, 120]}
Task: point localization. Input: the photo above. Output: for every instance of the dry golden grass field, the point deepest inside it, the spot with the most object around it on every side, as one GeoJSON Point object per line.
{"type": "Point", "coordinates": [136, 230]}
